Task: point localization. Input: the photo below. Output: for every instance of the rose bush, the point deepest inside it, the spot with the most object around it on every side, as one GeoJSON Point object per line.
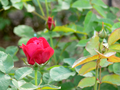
{"type": "Point", "coordinates": [37, 50]}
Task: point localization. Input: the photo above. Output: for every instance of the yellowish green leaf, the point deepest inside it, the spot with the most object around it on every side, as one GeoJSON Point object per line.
{"type": "Point", "coordinates": [87, 82]}
{"type": "Point", "coordinates": [87, 67]}
{"type": "Point", "coordinates": [115, 47]}
{"type": "Point", "coordinates": [67, 29]}
{"type": "Point", "coordinates": [111, 79]}
{"type": "Point", "coordinates": [115, 35]}
{"type": "Point", "coordinates": [113, 59]}
{"type": "Point", "coordinates": [49, 87]}
{"type": "Point", "coordinates": [93, 44]}
{"type": "Point", "coordinates": [106, 55]}
{"type": "Point", "coordinates": [83, 60]}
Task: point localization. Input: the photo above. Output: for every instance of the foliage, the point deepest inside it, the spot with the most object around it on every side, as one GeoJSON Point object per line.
{"type": "Point", "coordinates": [75, 35]}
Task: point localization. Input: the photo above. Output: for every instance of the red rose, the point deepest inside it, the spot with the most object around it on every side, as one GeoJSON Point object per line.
{"type": "Point", "coordinates": [50, 23]}
{"type": "Point", "coordinates": [37, 50]}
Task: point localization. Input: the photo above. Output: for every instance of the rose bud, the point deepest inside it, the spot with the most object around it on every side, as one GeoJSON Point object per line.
{"type": "Point", "coordinates": [102, 34]}
{"type": "Point", "coordinates": [50, 24]}
{"type": "Point", "coordinates": [37, 50]}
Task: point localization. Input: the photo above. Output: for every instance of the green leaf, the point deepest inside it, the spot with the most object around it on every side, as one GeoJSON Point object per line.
{"type": "Point", "coordinates": [87, 82]}
{"type": "Point", "coordinates": [12, 88]}
{"type": "Point", "coordinates": [12, 50]}
{"type": "Point", "coordinates": [104, 63]}
{"type": "Point", "coordinates": [100, 10]}
{"type": "Point", "coordinates": [47, 35]}
{"type": "Point", "coordinates": [22, 72]}
{"type": "Point", "coordinates": [2, 49]}
{"type": "Point", "coordinates": [6, 62]}
{"type": "Point", "coordinates": [4, 2]}
{"type": "Point", "coordinates": [89, 22]}
{"type": "Point", "coordinates": [15, 58]}
{"type": "Point", "coordinates": [49, 87]}
{"type": "Point", "coordinates": [23, 41]}
{"type": "Point", "coordinates": [18, 84]}
{"type": "Point", "coordinates": [67, 86]}
{"type": "Point", "coordinates": [67, 29]}
{"type": "Point", "coordinates": [3, 56]}
{"type": "Point", "coordinates": [4, 81]}
{"type": "Point", "coordinates": [82, 43]}
{"type": "Point", "coordinates": [111, 16]}
{"type": "Point", "coordinates": [72, 18]}
{"type": "Point", "coordinates": [114, 9]}
{"type": "Point", "coordinates": [114, 37]}
{"type": "Point", "coordinates": [69, 61]}
{"type": "Point", "coordinates": [18, 5]}
{"type": "Point", "coordinates": [15, 1]}
{"type": "Point", "coordinates": [33, 76]}
{"type": "Point", "coordinates": [62, 5]}
{"type": "Point", "coordinates": [77, 79]}
{"type": "Point", "coordinates": [77, 28]}
{"type": "Point", "coordinates": [93, 44]}
{"type": "Point", "coordinates": [110, 68]}
{"type": "Point", "coordinates": [82, 4]}
{"type": "Point", "coordinates": [28, 86]}
{"type": "Point", "coordinates": [87, 67]}
{"type": "Point", "coordinates": [106, 21]}
{"type": "Point", "coordinates": [99, 3]}
{"type": "Point", "coordinates": [106, 86]}
{"type": "Point", "coordinates": [115, 26]}
{"type": "Point", "coordinates": [29, 7]}
{"type": "Point", "coordinates": [46, 78]}
{"type": "Point", "coordinates": [115, 47]}
{"type": "Point", "coordinates": [86, 53]}
{"type": "Point", "coordinates": [6, 7]}
{"type": "Point", "coordinates": [60, 73]}
{"type": "Point", "coordinates": [116, 68]}
{"type": "Point", "coordinates": [111, 79]}
{"type": "Point", "coordinates": [24, 31]}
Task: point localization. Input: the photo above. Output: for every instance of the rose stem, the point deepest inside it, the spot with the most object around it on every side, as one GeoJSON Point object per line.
{"type": "Point", "coordinates": [51, 41]}
{"type": "Point", "coordinates": [40, 8]}
{"type": "Point", "coordinates": [46, 8]}
{"type": "Point", "coordinates": [36, 68]}
{"type": "Point", "coordinates": [96, 75]}
{"type": "Point", "coordinates": [39, 15]}
{"type": "Point", "coordinates": [99, 78]}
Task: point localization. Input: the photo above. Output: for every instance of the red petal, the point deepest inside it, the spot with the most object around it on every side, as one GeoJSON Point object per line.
{"type": "Point", "coordinates": [45, 43]}
{"type": "Point", "coordinates": [25, 50]}
{"type": "Point", "coordinates": [48, 52]}
{"type": "Point", "coordinates": [41, 56]}
{"type": "Point", "coordinates": [32, 48]}
{"type": "Point", "coordinates": [32, 40]}
{"type": "Point", "coordinates": [37, 57]}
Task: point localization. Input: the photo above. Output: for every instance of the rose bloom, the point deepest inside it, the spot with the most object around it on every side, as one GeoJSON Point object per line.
{"type": "Point", "coordinates": [50, 23]}
{"type": "Point", "coordinates": [37, 50]}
